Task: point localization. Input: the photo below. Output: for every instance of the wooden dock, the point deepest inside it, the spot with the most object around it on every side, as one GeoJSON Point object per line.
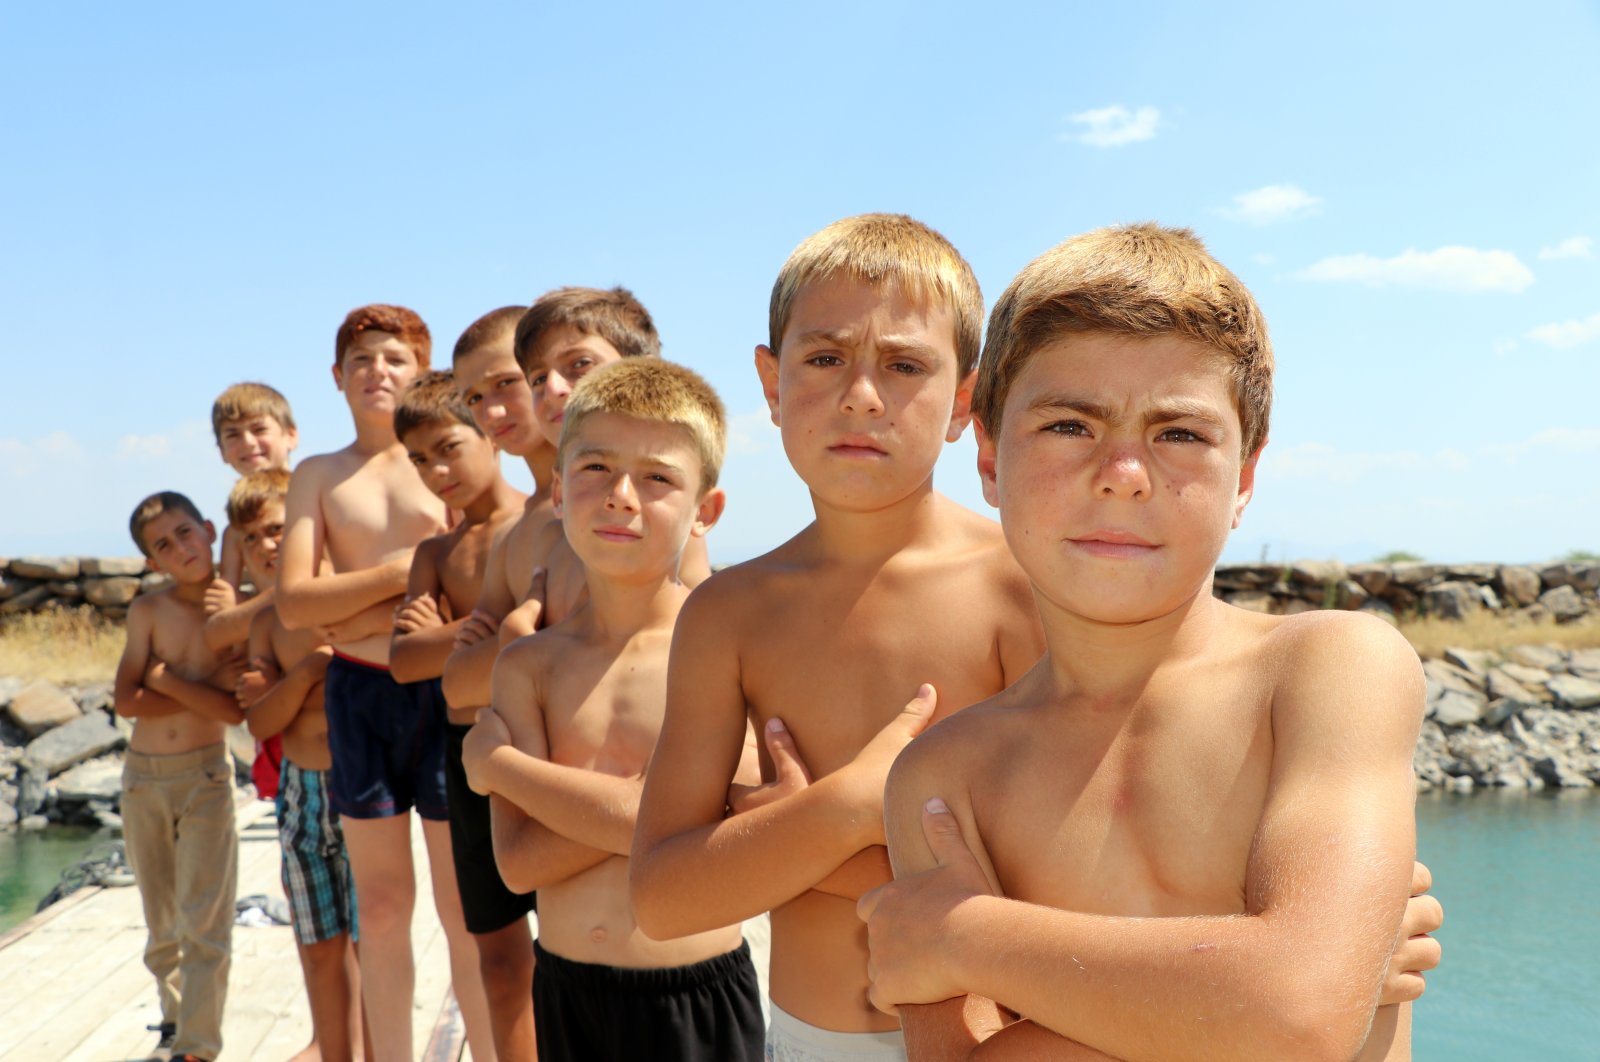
{"type": "Point", "coordinates": [73, 985]}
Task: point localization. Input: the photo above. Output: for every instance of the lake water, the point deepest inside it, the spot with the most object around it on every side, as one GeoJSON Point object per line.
{"type": "Point", "coordinates": [1519, 877]}
{"type": "Point", "coordinates": [1518, 873]}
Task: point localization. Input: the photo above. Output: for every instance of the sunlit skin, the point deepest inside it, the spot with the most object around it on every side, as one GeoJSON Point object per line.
{"type": "Point", "coordinates": [560, 358]}
{"type": "Point", "coordinates": [496, 393]}
{"type": "Point", "coordinates": [456, 463]}
{"type": "Point", "coordinates": [251, 444]}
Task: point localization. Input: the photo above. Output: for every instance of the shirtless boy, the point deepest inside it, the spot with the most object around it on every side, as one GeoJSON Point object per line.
{"type": "Point", "coordinates": [874, 332]}
{"type": "Point", "coordinates": [874, 335]}
{"type": "Point", "coordinates": [1189, 830]}
{"type": "Point", "coordinates": [366, 509]}
{"type": "Point", "coordinates": [462, 468]}
{"type": "Point", "coordinates": [281, 696]}
{"type": "Point", "coordinates": [517, 387]}
{"type": "Point", "coordinates": [177, 782]}
{"type": "Point", "coordinates": [577, 708]}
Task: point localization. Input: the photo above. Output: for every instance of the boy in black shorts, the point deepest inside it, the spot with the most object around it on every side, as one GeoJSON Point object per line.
{"type": "Point", "coordinates": [576, 710]}
{"type": "Point", "coordinates": [459, 464]}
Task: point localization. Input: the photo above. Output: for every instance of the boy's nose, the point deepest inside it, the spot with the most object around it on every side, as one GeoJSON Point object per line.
{"type": "Point", "coordinates": [622, 495]}
{"type": "Point", "coordinates": [861, 396]}
{"type": "Point", "coordinates": [1123, 473]}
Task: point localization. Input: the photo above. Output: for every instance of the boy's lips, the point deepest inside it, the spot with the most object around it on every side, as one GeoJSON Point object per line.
{"type": "Point", "coordinates": [612, 533]}
{"type": "Point", "coordinates": [1113, 544]}
{"type": "Point", "coordinates": [858, 446]}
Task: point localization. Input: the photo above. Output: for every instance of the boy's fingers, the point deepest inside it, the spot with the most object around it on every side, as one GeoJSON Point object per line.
{"type": "Point", "coordinates": [869, 903]}
{"type": "Point", "coordinates": [919, 710]}
{"type": "Point", "coordinates": [786, 759]}
{"type": "Point", "coordinates": [1421, 879]}
{"type": "Point", "coordinates": [1423, 914]}
{"type": "Point", "coordinates": [943, 834]}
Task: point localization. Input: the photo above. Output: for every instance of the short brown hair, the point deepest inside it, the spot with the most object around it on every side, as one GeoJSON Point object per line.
{"type": "Point", "coordinates": [154, 506]}
{"type": "Point", "coordinates": [251, 494]}
{"type": "Point", "coordinates": [614, 315]}
{"type": "Point", "coordinates": [888, 249]}
{"type": "Point", "coordinates": [490, 328]}
{"type": "Point", "coordinates": [431, 399]}
{"type": "Point", "coordinates": [1132, 280]}
{"type": "Point", "coordinates": [657, 390]}
{"type": "Point", "coordinates": [398, 321]}
{"type": "Point", "coordinates": [245, 400]}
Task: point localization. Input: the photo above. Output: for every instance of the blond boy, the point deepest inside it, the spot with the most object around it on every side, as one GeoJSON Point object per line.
{"type": "Point", "coordinates": [366, 510]}
{"type": "Point", "coordinates": [255, 431]}
{"type": "Point", "coordinates": [577, 708]}
{"type": "Point", "coordinates": [460, 466]}
{"type": "Point", "coordinates": [868, 372]}
{"type": "Point", "coordinates": [1188, 831]}
{"type": "Point", "coordinates": [177, 782]}
{"type": "Point", "coordinates": [282, 698]}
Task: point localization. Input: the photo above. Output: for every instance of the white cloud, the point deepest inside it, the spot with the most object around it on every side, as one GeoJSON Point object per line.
{"type": "Point", "coordinates": [19, 459]}
{"type": "Point", "coordinates": [1275, 202]}
{"type": "Point", "coordinates": [1551, 440]}
{"type": "Point", "coordinates": [1460, 269]}
{"type": "Point", "coordinates": [752, 433]}
{"type": "Point", "coordinates": [1568, 334]}
{"type": "Point", "coordinates": [1571, 247]}
{"type": "Point", "coordinates": [1115, 126]}
{"type": "Point", "coordinates": [1324, 463]}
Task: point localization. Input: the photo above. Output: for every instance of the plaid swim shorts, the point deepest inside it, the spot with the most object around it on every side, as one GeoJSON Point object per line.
{"type": "Point", "coordinates": [316, 868]}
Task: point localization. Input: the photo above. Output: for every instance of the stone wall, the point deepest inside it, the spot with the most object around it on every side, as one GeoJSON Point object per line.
{"type": "Point", "coordinates": [37, 584]}
{"type": "Point", "coordinates": [1563, 592]}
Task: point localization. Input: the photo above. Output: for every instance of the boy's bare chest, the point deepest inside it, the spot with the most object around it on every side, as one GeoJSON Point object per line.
{"type": "Point", "coordinates": [836, 667]}
{"type": "Point", "coordinates": [519, 551]}
{"type": "Point", "coordinates": [377, 512]}
{"type": "Point", "coordinates": [291, 647]}
{"type": "Point", "coordinates": [176, 641]}
{"type": "Point", "coordinates": [1155, 818]}
{"type": "Point", "coordinates": [604, 714]}
{"type": "Point", "coordinates": [461, 570]}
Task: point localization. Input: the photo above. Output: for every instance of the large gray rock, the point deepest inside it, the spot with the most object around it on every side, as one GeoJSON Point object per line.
{"type": "Point", "coordinates": [150, 582]}
{"type": "Point", "coordinates": [82, 739]}
{"type": "Point", "coordinates": [1248, 576]}
{"type": "Point", "coordinates": [46, 567]}
{"type": "Point", "coordinates": [95, 780]}
{"type": "Point", "coordinates": [1380, 608]}
{"type": "Point", "coordinates": [31, 786]}
{"type": "Point", "coordinates": [1373, 578]}
{"type": "Point", "coordinates": [1454, 708]}
{"type": "Point", "coordinates": [1582, 577]}
{"type": "Point", "coordinates": [12, 585]}
{"type": "Point", "coordinates": [1350, 594]}
{"type": "Point", "coordinates": [1472, 573]}
{"type": "Point", "coordinates": [1452, 600]}
{"type": "Point", "coordinates": [1573, 692]}
{"type": "Point", "coordinates": [25, 601]}
{"type": "Point", "coordinates": [41, 706]}
{"type": "Point", "coordinates": [1442, 676]}
{"type": "Point", "coordinates": [1547, 657]}
{"type": "Point", "coordinates": [1530, 678]}
{"type": "Point", "coordinates": [1585, 663]}
{"type": "Point", "coordinates": [1475, 662]}
{"type": "Point", "coordinates": [8, 815]}
{"type": "Point", "coordinates": [1416, 573]}
{"type": "Point", "coordinates": [1564, 604]}
{"type": "Point", "coordinates": [114, 590]}
{"type": "Point", "coordinates": [1558, 772]}
{"type": "Point", "coordinates": [105, 566]}
{"type": "Point", "coordinates": [1501, 684]}
{"type": "Point", "coordinates": [1317, 573]}
{"type": "Point", "coordinates": [1251, 600]}
{"type": "Point", "coordinates": [1518, 585]}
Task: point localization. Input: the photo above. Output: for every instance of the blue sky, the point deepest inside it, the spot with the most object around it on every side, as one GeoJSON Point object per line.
{"type": "Point", "coordinates": [193, 195]}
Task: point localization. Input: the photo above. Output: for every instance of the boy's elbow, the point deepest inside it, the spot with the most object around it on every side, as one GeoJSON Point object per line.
{"type": "Point", "coordinates": [1319, 1023]}
{"type": "Point", "coordinates": [403, 665]}
{"type": "Point", "coordinates": [292, 609]}
{"type": "Point", "coordinates": [652, 912]}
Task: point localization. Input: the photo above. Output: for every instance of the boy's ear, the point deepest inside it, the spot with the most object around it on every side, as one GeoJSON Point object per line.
{"type": "Point", "coordinates": [767, 369]}
{"type": "Point", "coordinates": [1247, 483]}
{"type": "Point", "coordinates": [987, 457]}
{"type": "Point", "coordinates": [555, 493]}
{"type": "Point", "coordinates": [211, 533]}
{"type": "Point", "coordinates": [338, 375]}
{"type": "Point", "coordinates": [293, 435]}
{"type": "Point", "coordinates": [709, 512]}
{"type": "Point", "coordinates": [961, 412]}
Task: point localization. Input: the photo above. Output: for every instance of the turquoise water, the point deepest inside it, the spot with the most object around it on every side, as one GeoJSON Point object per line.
{"type": "Point", "coordinates": [1519, 877]}
{"type": "Point", "coordinates": [31, 863]}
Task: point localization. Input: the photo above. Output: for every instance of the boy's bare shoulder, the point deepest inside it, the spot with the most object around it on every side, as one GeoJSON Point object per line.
{"type": "Point", "coordinates": [535, 655]}
{"type": "Point", "coordinates": [1327, 647]}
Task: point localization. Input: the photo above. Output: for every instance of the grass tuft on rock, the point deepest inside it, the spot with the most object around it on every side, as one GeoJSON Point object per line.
{"type": "Point", "coordinates": [1431, 636]}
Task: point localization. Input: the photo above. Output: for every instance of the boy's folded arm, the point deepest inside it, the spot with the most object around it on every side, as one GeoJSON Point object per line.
{"type": "Point", "coordinates": [231, 626]}
{"type": "Point", "coordinates": [307, 599]}
{"type": "Point", "coordinates": [467, 670]}
{"type": "Point", "coordinates": [1297, 975]}
{"type": "Point", "coordinates": [279, 706]}
{"type": "Point", "coordinates": [131, 699]}
{"type": "Point", "coordinates": [530, 855]}
{"type": "Point", "coordinates": [859, 874]}
{"type": "Point", "coordinates": [693, 870]}
{"type": "Point", "coordinates": [201, 698]}
{"type": "Point", "coordinates": [420, 653]}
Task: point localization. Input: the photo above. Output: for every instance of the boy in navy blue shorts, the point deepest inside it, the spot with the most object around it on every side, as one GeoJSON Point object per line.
{"type": "Point", "coordinates": [459, 464]}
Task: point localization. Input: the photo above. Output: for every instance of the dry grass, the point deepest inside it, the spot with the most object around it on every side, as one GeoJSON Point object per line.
{"type": "Point", "coordinates": [1431, 636]}
{"type": "Point", "coordinates": [75, 647]}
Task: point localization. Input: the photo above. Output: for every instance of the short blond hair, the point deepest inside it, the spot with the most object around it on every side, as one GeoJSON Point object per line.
{"type": "Point", "coordinates": [892, 250]}
{"type": "Point", "coordinates": [652, 389]}
{"type": "Point", "coordinates": [1133, 280]}
{"type": "Point", "coordinates": [252, 493]}
{"type": "Point", "coordinates": [245, 400]}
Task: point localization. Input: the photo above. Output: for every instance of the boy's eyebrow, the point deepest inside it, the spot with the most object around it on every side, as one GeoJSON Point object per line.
{"type": "Point", "coordinates": [1169, 410]}
{"type": "Point", "coordinates": [845, 337]}
{"type": "Point", "coordinates": [601, 451]}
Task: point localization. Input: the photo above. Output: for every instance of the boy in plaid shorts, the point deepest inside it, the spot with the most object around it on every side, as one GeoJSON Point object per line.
{"type": "Point", "coordinates": [282, 693]}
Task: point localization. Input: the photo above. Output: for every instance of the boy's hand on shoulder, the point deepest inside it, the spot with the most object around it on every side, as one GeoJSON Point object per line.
{"type": "Point", "coordinates": [487, 734]}
{"type": "Point", "coordinates": [1417, 952]}
{"type": "Point", "coordinates": [220, 596]}
{"type": "Point", "coordinates": [156, 675]}
{"type": "Point", "coordinates": [479, 626]}
{"type": "Point", "coordinates": [418, 613]}
{"type": "Point", "coordinates": [907, 918]}
{"type": "Point", "coordinates": [251, 686]}
{"type": "Point", "coordinates": [524, 619]}
{"type": "Point", "coordinates": [790, 773]}
{"type": "Point", "coordinates": [869, 770]}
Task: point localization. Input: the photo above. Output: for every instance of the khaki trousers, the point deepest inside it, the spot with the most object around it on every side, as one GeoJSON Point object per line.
{"type": "Point", "coordinates": [178, 829]}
